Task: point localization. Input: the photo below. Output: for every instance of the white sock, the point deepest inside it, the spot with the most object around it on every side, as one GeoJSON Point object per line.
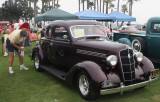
{"type": "Point", "coordinates": [10, 68]}
{"type": "Point", "coordinates": [21, 65]}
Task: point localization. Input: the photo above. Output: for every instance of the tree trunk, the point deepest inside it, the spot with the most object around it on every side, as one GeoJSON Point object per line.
{"type": "Point", "coordinates": [94, 5]}
{"type": "Point", "coordinates": [42, 6]}
{"type": "Point", "coordinates": [97, 6]}
{"type": "Point", "coordinates": [118, 5]}
{"type": "Point", "coordinates": [103, 6]}
{"type": "Point", "coordinates": [54, 3]}
{"type": "Point", "coordinates": [131, 3]}
{"type": "Point", "coordinates": [35, 8]}
{"type": "Point", "coordinates": [79, 5]}
{"type": "Point", "coordinates": [57, 3]}
{"type": "Point", "coordinates": [83, 5]}
{"type": "Point", "coordinates": [29, 3]}
{"type": "Point", "coordinates": [106, 6]}
{"type": "Point", "coordinates": [100, 4]}
{"type": "Point", "coordinates": [87, 4]}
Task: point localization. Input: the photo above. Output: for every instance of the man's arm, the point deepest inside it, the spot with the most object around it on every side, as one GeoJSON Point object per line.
{"type": "Point", "coordinates": [23, 42]}
{"type": "Point", "coordinates": [14, 45]}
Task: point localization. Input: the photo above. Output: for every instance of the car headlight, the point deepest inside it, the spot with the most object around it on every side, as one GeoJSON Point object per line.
{"type": "Point", "coordinates": [112, 60]}
{"type": "Point", "coordinates": [139, 56]}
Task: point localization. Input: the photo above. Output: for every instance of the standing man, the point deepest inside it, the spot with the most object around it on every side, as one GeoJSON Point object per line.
{"type": "Point", "coordinates": [8, 31]}
{"type": "Point", "coordinates": [16, 37]}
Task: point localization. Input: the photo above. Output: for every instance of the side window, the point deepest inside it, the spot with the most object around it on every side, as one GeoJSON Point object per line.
{"type": "Point", "coordinates": [49, 32]}
{"type": "Point", "coordinates": [155, 27]}
{"type": "Point", "coordinates": [60, 33]}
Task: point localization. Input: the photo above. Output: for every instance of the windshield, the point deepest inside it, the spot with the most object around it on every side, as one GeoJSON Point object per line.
{"type": "Point", "coordinates": [87, 30]}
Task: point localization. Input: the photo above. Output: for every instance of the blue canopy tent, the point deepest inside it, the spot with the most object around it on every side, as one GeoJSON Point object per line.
{"type": "Point", "coordinates": [94, 15]}
{"type": "Point", "coordinates": [122, 17]}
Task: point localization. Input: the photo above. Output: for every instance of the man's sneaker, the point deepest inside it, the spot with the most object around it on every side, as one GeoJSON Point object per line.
{"type": "Point", "coordinates": [23, 68]}
{"type": "Point", "coordinates": [5, 54]}
{"type": "Point", "coordinates": [11, 71]}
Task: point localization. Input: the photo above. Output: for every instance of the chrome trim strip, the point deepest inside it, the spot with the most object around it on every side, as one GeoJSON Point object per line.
{"type": "Point", "coordinates": [123, 88]}
{"type": "Point", "coordinates": [91, 53]}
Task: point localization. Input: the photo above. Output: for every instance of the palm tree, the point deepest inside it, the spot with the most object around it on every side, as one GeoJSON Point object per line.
{"type": "Point", "coordinates": [124, 8]}
{"type": "Point", "coordinates": [90, 4]}
{"type": "Point", "coordinates": [111, 6]}
{"type": "Point", "coordinates": [130, 2]}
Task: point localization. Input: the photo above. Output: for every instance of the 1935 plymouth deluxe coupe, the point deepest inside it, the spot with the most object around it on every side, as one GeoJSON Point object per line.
{"type": "Point", "coordinates": [80, 53]}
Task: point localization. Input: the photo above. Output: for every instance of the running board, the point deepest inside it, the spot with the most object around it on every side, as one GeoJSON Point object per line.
{"type": "Point", "coordinates": [54, 71]}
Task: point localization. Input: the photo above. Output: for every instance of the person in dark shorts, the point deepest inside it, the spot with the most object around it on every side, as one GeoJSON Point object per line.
{"type": "Point", "coordinates": [13, 40]}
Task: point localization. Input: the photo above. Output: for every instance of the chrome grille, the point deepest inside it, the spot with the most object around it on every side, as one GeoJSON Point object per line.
{"type": "Point", "coordinates": [128, 66]}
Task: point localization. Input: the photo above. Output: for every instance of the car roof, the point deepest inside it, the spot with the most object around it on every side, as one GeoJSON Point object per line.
{"type": "Point", "coordinates": [74, 22]}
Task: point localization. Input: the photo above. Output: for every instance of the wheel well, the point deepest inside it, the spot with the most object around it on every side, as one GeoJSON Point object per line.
{"type": "Point", "coordinates": [75, 77]}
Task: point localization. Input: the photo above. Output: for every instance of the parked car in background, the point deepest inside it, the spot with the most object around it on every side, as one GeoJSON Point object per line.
{"type": "Point", "coordinates": [130, 29]}
{"type": "Point", "coordinates": [80, 53]}
{"type": "Point", "coordinates": [3, 26]}
{"type": "Point", "coordinates": [147, 43]}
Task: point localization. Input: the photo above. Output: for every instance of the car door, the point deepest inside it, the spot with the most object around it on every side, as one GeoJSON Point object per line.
{"type": "Point", "coordinates": [62, 52]}
{"type": "Point", "coordinates": [153, 41]}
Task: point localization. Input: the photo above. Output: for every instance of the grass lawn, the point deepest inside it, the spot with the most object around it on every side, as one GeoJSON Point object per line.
{"type": "Point", "coordinates": [33, 86]}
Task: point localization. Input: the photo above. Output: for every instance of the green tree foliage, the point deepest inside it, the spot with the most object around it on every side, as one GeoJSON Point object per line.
{"type": "Point", "coordinates": [20, 9]}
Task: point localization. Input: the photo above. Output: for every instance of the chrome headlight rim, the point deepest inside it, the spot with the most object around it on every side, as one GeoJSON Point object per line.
{"type": "Point", "coordinates": [139, 56]}
{"type": "Point", "coordinates": [112, 60]}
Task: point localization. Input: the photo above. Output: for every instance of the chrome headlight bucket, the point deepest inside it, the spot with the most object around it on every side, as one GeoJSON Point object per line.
{"type": "Point", "coordinates": [139, 56]}
{"type": "Point", "coordinates": [112, 60]}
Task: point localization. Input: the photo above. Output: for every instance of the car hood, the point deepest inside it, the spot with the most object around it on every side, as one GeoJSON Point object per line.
{"type": "Point", "coordinates": [107, 47]}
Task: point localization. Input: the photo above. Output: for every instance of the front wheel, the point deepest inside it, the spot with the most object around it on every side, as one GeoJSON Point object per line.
{"type": "Point", "coordinates": [37, 62]}
{"type": "Point", "coordinates": [85, 86]}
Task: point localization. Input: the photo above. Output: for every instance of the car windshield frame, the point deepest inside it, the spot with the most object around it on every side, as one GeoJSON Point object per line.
{"type": "Point", "coordinates": [103, 29]}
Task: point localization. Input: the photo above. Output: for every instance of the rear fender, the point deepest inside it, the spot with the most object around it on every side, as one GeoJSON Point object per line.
{"type": "Point", "coordinates": [96, 74]}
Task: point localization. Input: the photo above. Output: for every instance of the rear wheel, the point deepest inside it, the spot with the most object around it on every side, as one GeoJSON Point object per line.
{"type": "Point", "coordinates": [85, 86]}
{"type": "Point", "coordinates": [37, 62]}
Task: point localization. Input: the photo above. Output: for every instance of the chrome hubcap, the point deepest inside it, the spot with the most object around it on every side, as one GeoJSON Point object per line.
{"type": "Point", "coordinates": [83, 85]}
{"type": "Point", "coordinates": [36, 63]}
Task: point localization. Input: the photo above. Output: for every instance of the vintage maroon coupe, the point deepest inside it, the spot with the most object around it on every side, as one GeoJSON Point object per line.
{"type": "Point", "coordinates": [79, 52]}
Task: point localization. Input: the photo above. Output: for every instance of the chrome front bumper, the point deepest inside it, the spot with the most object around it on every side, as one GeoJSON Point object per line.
{"type": "Point", "coordinates": [123, 88]}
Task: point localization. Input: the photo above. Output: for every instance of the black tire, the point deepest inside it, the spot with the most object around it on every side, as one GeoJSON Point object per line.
{"type": "Point", "coordinates": [89, 93]}
{"type": "Point", "coordinates": [139, 45]}
{"type": "Point", "coordinates": [37, 62]}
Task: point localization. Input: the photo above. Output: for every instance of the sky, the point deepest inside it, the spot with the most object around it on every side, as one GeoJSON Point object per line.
{"type": "Point", "coordinates": [142, 10]}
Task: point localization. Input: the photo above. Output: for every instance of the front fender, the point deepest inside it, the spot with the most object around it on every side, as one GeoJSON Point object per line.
{"type": "Point", "coordinates": [38, 49]}
{"type": "Point", "coordinates": [124, 41]}
{"type": "Point", "coordinates": [96, 74]}
{"type": "Point", "coordinates": [146, 65]}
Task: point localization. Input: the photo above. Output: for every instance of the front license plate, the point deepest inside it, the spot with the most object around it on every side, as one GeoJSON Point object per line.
{"type": "Point", "coordinates": [154, 73]}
